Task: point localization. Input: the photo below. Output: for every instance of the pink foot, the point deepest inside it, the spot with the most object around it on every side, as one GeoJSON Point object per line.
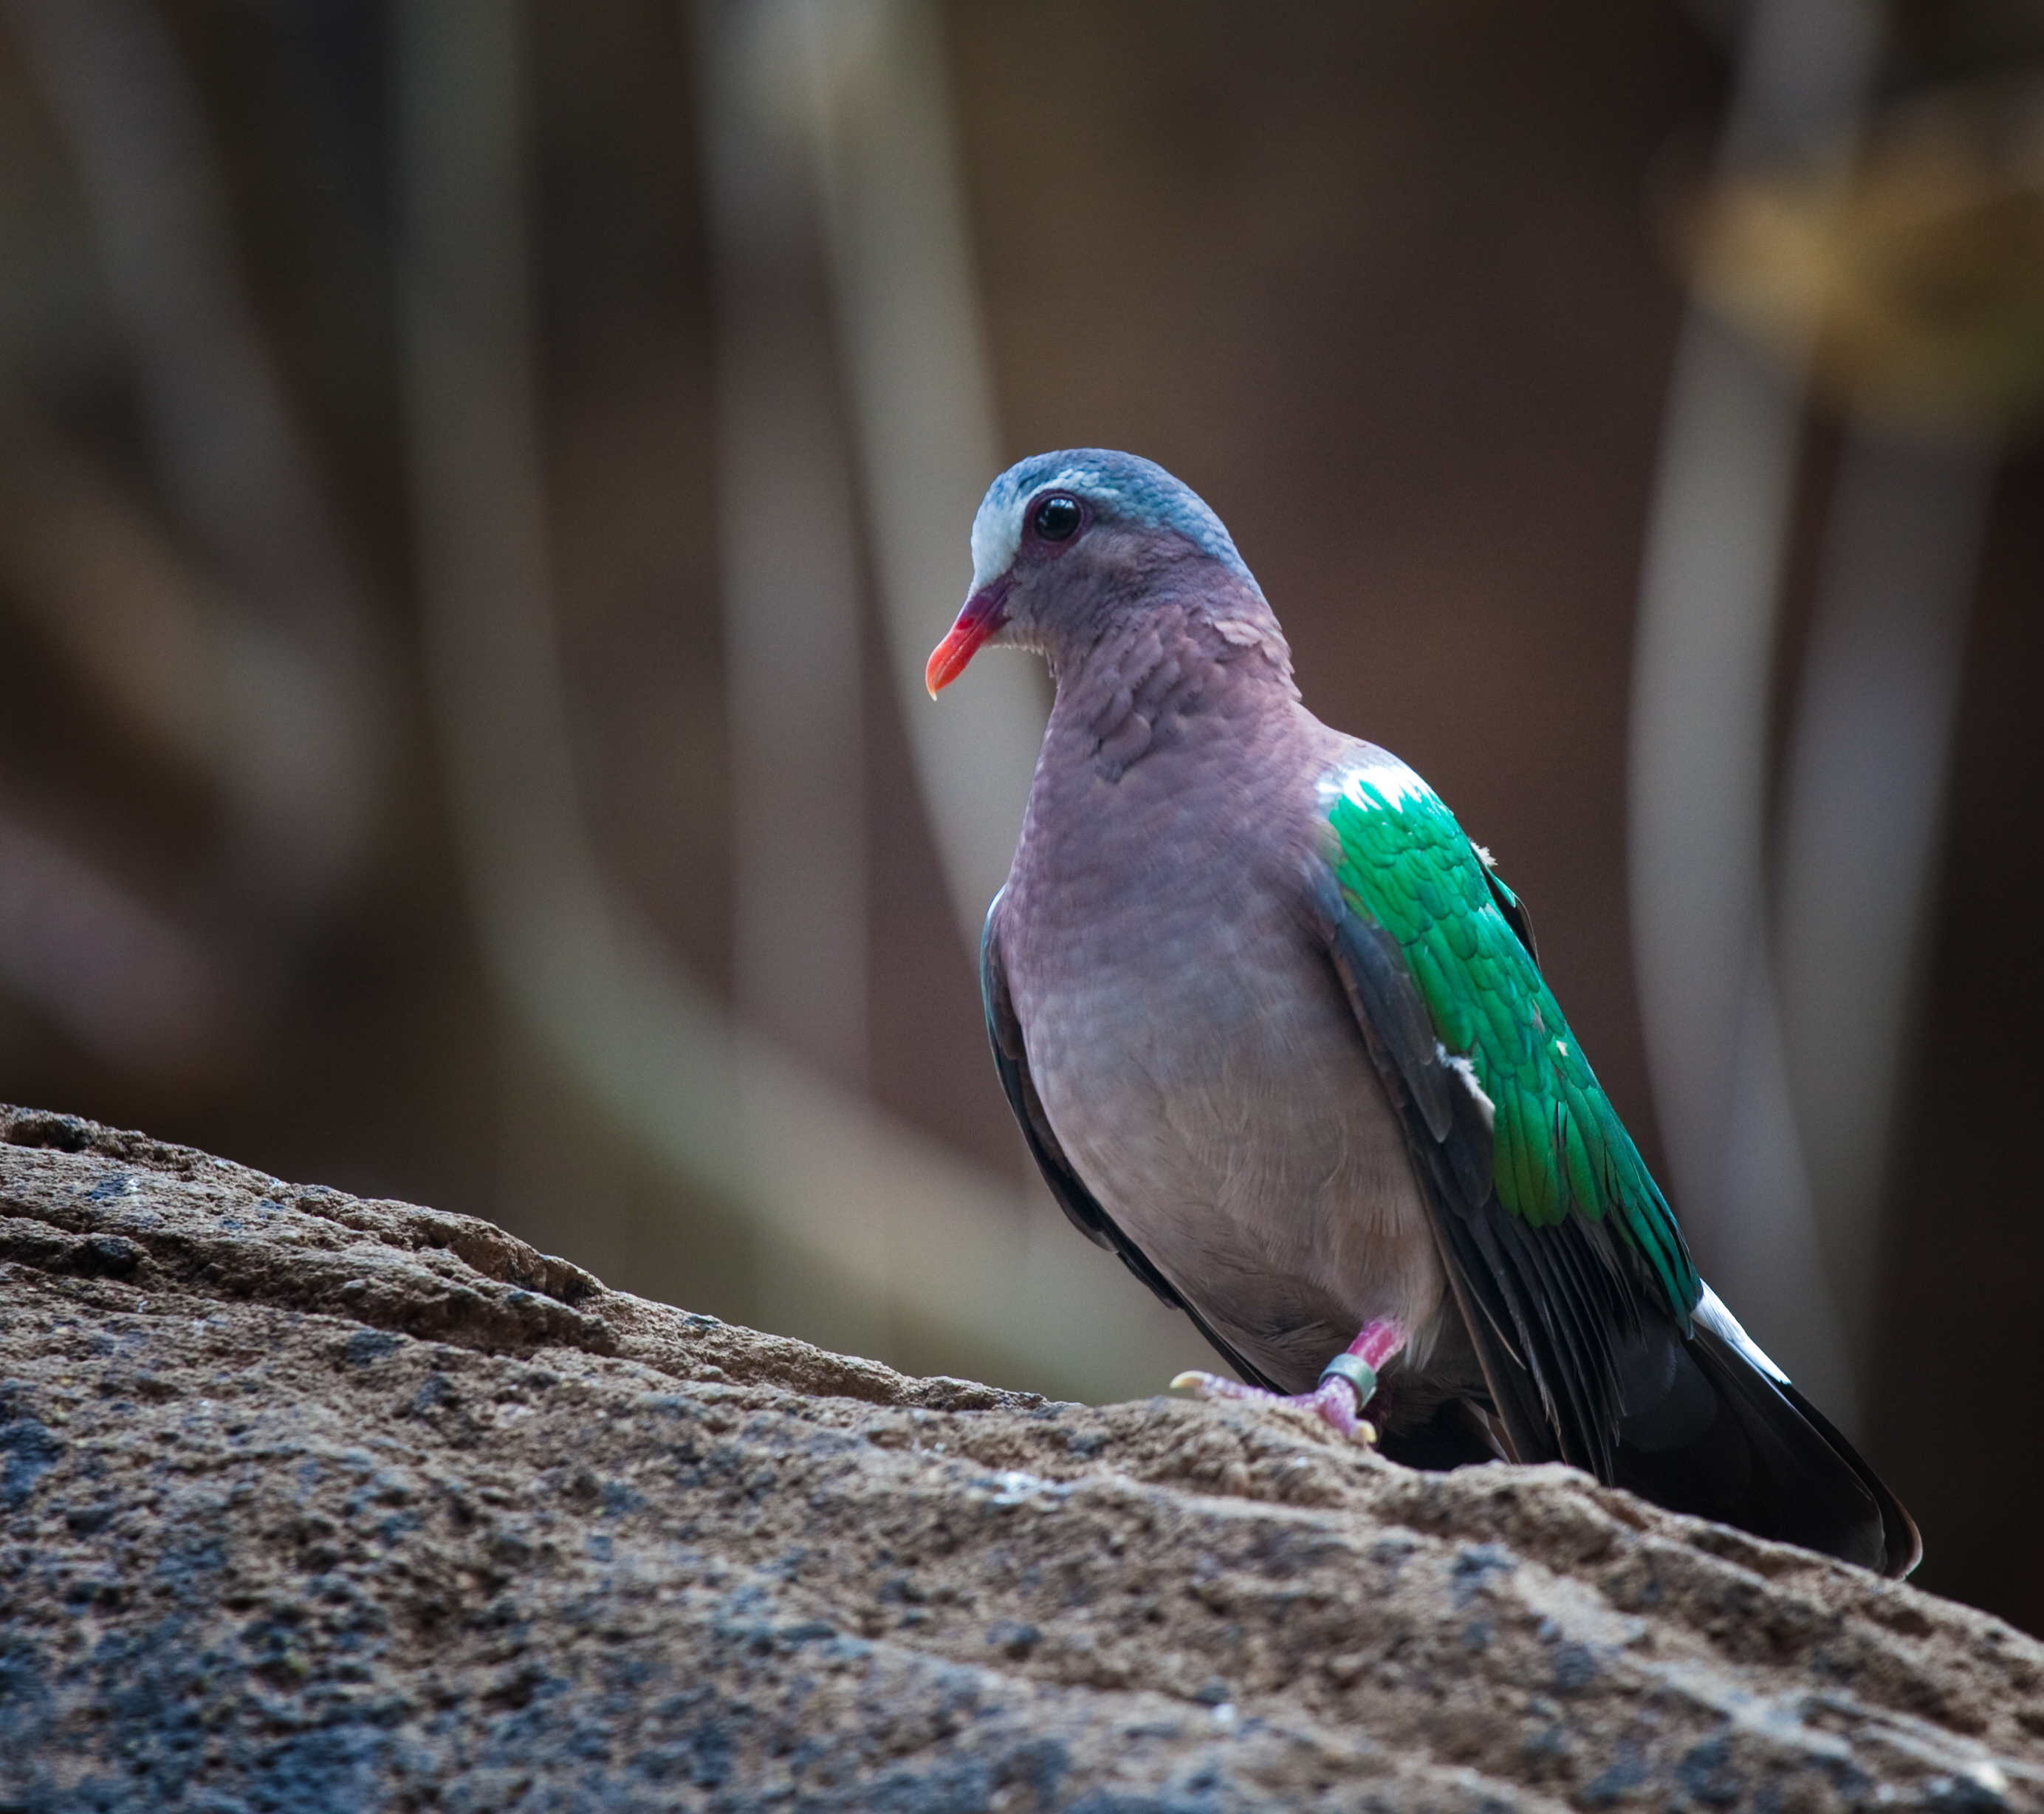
{"type": "Point", "coordinates": [1347, 1384]}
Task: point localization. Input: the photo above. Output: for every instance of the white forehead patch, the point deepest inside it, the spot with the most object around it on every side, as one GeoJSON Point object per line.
{"type": "Point", "coordinates": [997, 531]}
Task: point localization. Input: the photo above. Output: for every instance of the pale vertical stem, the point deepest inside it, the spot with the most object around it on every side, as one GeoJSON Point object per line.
{"type": "Point", "coordinates": [909, 328]}
{"type": "Point", "coordinates": [478, 498]}
{"type": "Point", "coordinates": [1724, 491]}
{"type": "Point", "coordinates": [479, 502]}
{"type": "Point", "coordinates": [788, 556]}
{"type": "Point", "coordinates": [1864, 797]}
{"type": "Point", "coordinates": [790, 559]}
{"type": "Point", "coordinates": [1700, 686]}
{"type": "Point", "coordinates": [1700, 670]}
{"type": "Point", "coordinates": [1770, 1261]}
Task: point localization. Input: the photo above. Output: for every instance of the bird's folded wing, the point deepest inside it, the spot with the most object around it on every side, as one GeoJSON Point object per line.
{"type": "Point", "coordinates": [1557, 1241]}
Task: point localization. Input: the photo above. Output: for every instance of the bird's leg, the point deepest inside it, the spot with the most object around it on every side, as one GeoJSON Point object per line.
{"type": "Point", "coordinates": [1347, 1383]}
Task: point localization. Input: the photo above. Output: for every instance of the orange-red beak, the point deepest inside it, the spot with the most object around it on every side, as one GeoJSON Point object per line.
{"type": "Point", "coordinates": [985, 611]}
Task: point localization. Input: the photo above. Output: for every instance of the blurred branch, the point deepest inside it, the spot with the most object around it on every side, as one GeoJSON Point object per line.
{"type": "Point", "coordinates": [908, 324]}
{"type": "Point", "coordinates": [790, 556]}
{"type": "Point", "coordinates": [1777, 1041]}
{"type": "Point", "coordinates": [1916, 287]}
{"type": "Point", "coordinates": [101, 966]}
{"type": "Point", "coordinates": [924, 1236]}
{"type": "Point", "coordinates": [219, 688]}
{"type": "Point", "coordinates": [1868, 763]}
{"type": "Point", "coordinates": [297, 660]}
{"type": "Point", "coordinates": [1723, 494]}
{"type": "Point", "coordinates": [789, 561]}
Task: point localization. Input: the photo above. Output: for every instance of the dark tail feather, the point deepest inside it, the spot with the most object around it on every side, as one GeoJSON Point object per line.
{"type": "Point", "coordinates": [1903, 1545]}
{"type": "Point", "coordinates": [1705, 1429]}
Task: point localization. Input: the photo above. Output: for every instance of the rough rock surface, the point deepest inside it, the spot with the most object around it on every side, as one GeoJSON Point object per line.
{"type": "Point", "coordinates": [311, 1503]}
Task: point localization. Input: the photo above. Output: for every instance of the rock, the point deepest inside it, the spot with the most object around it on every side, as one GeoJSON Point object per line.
{"type": "Point", "coordinates": [313, 1503]}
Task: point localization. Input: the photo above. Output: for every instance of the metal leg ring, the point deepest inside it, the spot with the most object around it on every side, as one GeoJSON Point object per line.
{"type": "Point", "coordinates": [1361, 1377]}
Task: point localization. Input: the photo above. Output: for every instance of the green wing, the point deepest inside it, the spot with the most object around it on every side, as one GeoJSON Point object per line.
{"type": "Point", "coordinates": [1403, 863]}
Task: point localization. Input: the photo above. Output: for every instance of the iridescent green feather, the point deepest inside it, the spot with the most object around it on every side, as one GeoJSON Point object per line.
{"type": "Point", "coordinates": [1403, 862]}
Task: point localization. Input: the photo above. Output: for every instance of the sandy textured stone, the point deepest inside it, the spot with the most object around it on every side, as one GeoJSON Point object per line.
{"type": "Point", "coordinates": [313, 1503]}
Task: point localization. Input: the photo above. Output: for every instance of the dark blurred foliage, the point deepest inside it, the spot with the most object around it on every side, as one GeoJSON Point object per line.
{"type": "Point", "coordinates": [1387, 285]}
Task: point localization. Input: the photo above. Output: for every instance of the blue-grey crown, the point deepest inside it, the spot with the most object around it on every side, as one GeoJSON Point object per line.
{"type": "Point", "coordinates": [1124, 487]}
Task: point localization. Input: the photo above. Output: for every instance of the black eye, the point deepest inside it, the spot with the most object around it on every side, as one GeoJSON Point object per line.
{"type": "Point", "coordinates": [1057, 518]}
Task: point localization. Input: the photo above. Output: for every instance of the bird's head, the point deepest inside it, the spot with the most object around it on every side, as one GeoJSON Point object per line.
{"type": "Point", "coordinates": [1067, 545]}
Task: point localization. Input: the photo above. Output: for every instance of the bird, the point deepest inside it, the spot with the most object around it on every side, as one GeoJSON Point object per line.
{"type": "Point", "coordinates": [1275, 1032]}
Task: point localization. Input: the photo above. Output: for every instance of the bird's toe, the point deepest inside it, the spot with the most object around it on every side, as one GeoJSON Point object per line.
{"type": "Point", "coordinates": [1333, 1402]}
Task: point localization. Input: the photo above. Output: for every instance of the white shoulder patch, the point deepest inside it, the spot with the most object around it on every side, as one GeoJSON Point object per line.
{"type": "Point", "coordinates": [1388, 776]}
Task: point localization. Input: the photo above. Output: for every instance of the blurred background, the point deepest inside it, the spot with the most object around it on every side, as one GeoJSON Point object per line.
{"type": "Point", "coordinates": [477, 482]}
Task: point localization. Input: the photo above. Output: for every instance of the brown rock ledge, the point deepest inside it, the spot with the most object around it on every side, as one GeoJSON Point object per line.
{"type": "Point", "coordinates": [312, 1503]}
